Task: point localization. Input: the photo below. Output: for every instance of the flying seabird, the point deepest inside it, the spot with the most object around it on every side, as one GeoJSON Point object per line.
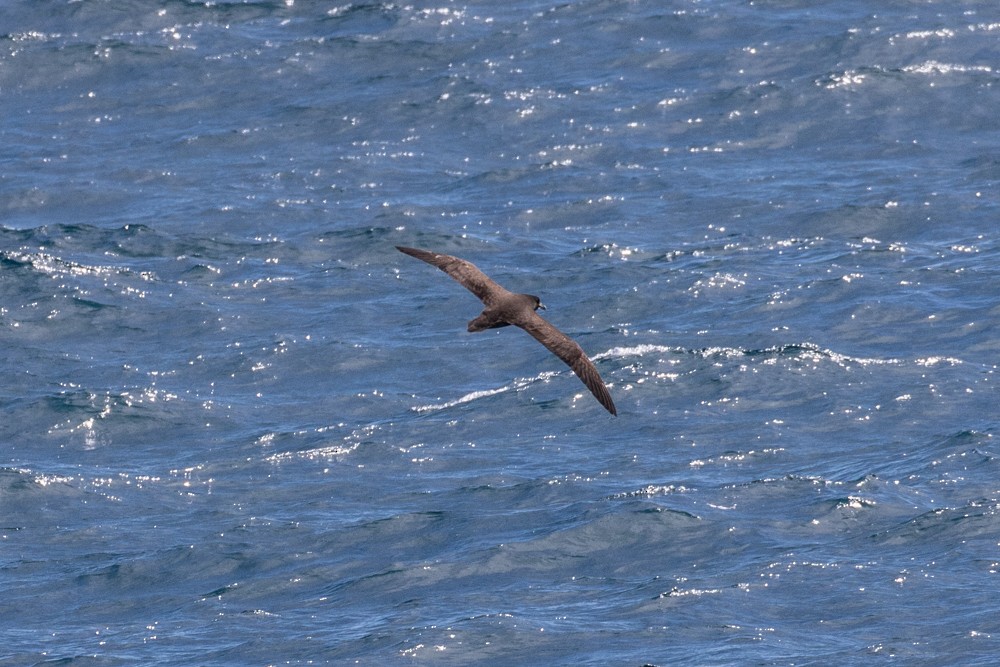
{"type": "Point", "coordinates": [504, 307]}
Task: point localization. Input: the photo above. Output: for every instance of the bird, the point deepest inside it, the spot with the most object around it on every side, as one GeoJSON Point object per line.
{"type": "Point", "coordinates": [504, 308]}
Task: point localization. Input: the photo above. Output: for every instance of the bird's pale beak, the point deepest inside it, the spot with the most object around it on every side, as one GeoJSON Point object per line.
{"type": "Point", "coordinates": [541, 306]}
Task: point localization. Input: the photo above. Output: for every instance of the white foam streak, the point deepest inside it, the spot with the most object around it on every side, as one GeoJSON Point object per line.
{"type": "Point", "coordinates": [634, 351]}
{"type": "Point", "coordinates": [810, 350]}
{"type": "Point", "coordinates": [468, 398]}
{"type": "Point", "coordinates": [517, 384]}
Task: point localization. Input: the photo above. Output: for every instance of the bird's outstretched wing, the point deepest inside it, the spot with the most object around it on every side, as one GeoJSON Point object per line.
{"type": "Point", "coordinates": [464, 272]}
{"type": "Point", "coordinates": [569, 351]}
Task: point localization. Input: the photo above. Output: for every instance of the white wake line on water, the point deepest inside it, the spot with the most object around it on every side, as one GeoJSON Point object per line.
{"type": "Point", "coordinates": [804, 349]}
{"type": "Point", "coordinates": [516, 384]}
{"type": "Point", "coordinates": [521, 383]}
{"type": "Point", "coordinates": [468, 398]}
{"type": "Point", "coordinates": [635, 351]}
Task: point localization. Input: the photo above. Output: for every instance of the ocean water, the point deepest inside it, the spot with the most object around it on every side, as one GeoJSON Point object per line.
{"type": "Point", "coordinates": [239, 428]}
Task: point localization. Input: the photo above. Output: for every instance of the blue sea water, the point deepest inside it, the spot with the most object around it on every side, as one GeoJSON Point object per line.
{"type": "Point", "coordinates": [239, 428]}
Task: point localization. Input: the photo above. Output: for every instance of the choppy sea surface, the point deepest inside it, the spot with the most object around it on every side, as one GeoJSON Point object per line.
{"type": "Point", "coordinates": [238, 428]}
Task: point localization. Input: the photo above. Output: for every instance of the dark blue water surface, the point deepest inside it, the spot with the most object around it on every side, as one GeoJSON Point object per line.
{"type": "Point", "coordinates": [239, 428]}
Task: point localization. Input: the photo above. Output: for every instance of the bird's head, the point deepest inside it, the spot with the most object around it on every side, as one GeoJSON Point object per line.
{"type": "Point", "coordinates": [538, 302]}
